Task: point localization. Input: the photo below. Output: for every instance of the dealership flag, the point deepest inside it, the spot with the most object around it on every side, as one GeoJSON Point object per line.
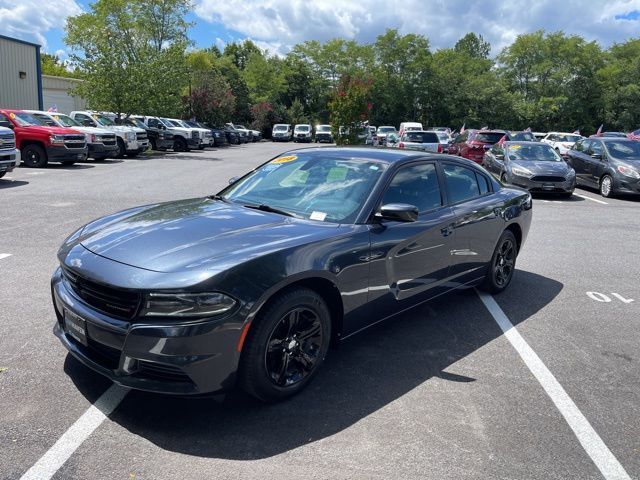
{"type": "Point", "coordinates": [502, 140]}
{"type": "Point", "coordinates": [53, 109]}
{"type": "Point", "coordinates": [599, 132]}
{"type": "Point", "coordinates": [462, 129]}
{"type": "Point", "coordinates": [634, 135]}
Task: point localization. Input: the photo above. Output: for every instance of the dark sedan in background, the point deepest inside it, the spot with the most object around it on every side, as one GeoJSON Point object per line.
{"type": "Point", "coordinates": [535, 166]}
{"type": "Point", "coordinates": [250, 286]}
{"type": "Point", "coordinates": [610, 164]}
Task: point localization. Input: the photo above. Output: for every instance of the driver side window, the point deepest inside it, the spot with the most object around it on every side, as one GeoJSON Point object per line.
{"type": "Point", "coordinates": [415, 185]}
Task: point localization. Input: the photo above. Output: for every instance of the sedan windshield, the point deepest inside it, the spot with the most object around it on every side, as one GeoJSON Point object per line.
{"type": "Point", "coordinates": [534, 153]}
{"type": "Point", "coordinates": [310, 186]}
{"type": "Point", "coordinates": [626, 150]}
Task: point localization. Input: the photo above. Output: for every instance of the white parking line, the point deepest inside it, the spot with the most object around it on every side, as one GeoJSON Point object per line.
{"type": "Point", "coordinates": [56, 456]}
{"type": "Point", "coordinates": [4, 255]}
{"type": "Point", "coordinates": [589, 198]}
{"type": "Point", "coordinates": [591, 442]}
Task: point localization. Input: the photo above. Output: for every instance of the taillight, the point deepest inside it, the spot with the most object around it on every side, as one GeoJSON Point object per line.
{"type": "Point", "coordinates": [401, 145]}
{"type": "Point", "coordinates": [440, 149]}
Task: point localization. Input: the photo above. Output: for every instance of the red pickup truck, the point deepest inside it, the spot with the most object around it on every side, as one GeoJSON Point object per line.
{"type": "Point", "coordinates": [40, 144]}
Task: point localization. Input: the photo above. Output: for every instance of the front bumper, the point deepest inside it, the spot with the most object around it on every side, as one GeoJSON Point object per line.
{"type": "Point", "coordinates": [170, 357]}
{"type": "Point", "coordinates": [9, 159]}
{"type": "Point", "coordinates": [324, 137]}
{"type": "Point", "coordinates": [626, 185]}
{"type": "Point", "coordinates": [544, 186]}
{"type": "Point", "coordinates": [64, 154]}
{"type": "Point", "coordinates": [302, 138]}
{"type": "Point", "coordinates": [100, 150]}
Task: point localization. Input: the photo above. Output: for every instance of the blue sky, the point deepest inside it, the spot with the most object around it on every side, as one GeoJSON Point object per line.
{"type": "Point", "coordinates": [276, 25]}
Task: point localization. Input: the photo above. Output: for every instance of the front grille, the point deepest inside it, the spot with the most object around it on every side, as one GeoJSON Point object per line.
{"type": "Point", "coordinates": [108, 140]}
{"type": "Point", "coordinates": [111, 301]}
{"type": "Point", "coordinates": [141, 136]}
{"type": "Point", "coordinates": [161, 372]}
{"type": "Point", "coordinates": [75, 141]}
{"type": "Point", "coordinates": [548, 178]}
{"type": "Point", "coordinates": [7, 142]}
{"type": "Point", "coordinates": [106, 356]}
{"type": "Point", "coordinates": [194, 134]}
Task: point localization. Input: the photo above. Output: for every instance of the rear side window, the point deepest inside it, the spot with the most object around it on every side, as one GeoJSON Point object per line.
{"type": "Point", "coordinates": [421, 137]}
{"type": "Point", "coordinates": [596, 147]}
{"type": "Point", "coordinates": [488, 137]}
{"type": "Point", "coordinates": [461, 182]}
{"type": "Point", "coordinates": [483, 184]}
{"type": "Point", "coordinates": [416, 185]}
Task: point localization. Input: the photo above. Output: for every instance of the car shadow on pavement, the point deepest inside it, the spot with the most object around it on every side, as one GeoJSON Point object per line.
{"type": "Point", "coordinates": [556, 197]}
{"type": "Point", "coordinates": [367, 373]}
{"type": "Point", "coordinates": [5, 183]}
{"type": "Point", "coordinates": [75, 166]}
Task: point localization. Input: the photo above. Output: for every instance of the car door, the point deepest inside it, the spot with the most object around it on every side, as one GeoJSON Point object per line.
{"type": "Point", "coordinates": [477, 224]}
{"type": "Point", "coordinates": [494, 160]}
{"type": "Point", "coordinates": [410, 260]}
{"type": "Point", "coordinates": [577, 159]}
{"type": "Point", "coordinates": [597, 162]}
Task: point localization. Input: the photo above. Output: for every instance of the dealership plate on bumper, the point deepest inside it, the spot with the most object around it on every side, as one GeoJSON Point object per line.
{"type": "Point", "coordinates": [75, 326]}
{"type": "Point", "coordinates": [548, 186]}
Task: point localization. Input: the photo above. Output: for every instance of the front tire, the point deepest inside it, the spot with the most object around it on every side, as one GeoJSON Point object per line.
{"type": "Point", "coordinates": [122, 149]}
{"type": "Point", "coordinates": [285, 346]}
{"type": "Point", "coordinates": [180, 145]}
{"type": "Point", "coordinates": [502, 265]}
{"type": "Point", "coordinates": [34, 156]}
{"type": "Point", "coordinates": [606, 186]}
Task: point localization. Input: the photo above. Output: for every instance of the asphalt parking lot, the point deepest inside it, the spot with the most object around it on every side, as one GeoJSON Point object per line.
{"type": "Point", "coordinates": [439, 392]}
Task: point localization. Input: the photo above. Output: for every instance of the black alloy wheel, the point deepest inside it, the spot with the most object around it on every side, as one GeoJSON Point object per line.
{"type": "Point", "coordinates": [285, 346]}
{"type": "Point", "coordinates": [503, 264]}
{"type": "Point", "coordinates": [293, 347]}
{"type": "Point", "coordinates": [34, 156]}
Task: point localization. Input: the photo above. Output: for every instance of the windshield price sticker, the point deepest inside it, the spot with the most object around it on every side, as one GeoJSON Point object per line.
{"type": "Point", "coordinates": [318, 216]}
{"type": "Point", "coordinates": [12, 115]}
{"type": "Point", "coordinates": [287, 159]}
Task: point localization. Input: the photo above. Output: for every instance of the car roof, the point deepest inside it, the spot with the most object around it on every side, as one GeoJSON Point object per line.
{"type": "Point", "coordinates": [385, 155]}
{"type": "Point", "coordinates": [524, 142]}
{"type": "Point", "coordinates": [613, 139]}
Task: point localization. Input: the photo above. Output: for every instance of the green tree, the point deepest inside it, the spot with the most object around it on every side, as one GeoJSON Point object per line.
{"type": "Point", "coordinates": [131, 54]}
{"type": "Point", "coordinates": [240, 53]}
{"type": "Point", "coordinates": [350, 105]}
{"type": "Point", "coordinates": [473, 45]}
{"type": "Point", "coordinates": [52, 65]}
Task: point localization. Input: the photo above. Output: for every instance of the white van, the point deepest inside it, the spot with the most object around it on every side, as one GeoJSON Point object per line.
{"type": "Point", "coordinates": [409, 127]}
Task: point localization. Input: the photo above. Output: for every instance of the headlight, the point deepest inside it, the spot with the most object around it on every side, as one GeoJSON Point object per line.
{"type": "Point", "coordinates": [628, 171]}
{"type": "Point", "coordinates": [572, 173]}
{"type": "Point", "coordinates": [131, 136]}
{"type": "Point", "coordinates": [521, 172]}
{"type": "Point", "coordinates": [57, 139]}
{"type": "Point", "coordinates": [186, 304]}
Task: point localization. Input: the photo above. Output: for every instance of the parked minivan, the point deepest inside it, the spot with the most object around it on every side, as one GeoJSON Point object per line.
{"type": "Point", "coordinates": [302, 133]}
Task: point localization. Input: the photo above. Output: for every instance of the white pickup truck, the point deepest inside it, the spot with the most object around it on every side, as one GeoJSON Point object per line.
{"type": "Point", "coordinates": [127, 137]}
{"type": "Point", "coordinates": [9, 154]}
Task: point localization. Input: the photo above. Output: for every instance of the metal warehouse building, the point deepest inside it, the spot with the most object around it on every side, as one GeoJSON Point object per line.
{"type": "Point", "coordinates": [20, 78]}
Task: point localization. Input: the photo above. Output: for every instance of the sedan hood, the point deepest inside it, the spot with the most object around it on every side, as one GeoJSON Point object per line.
{"type": "Point", "coordinates": [197, 233]}
{"type": "Point", "coordinates": [543, 167]}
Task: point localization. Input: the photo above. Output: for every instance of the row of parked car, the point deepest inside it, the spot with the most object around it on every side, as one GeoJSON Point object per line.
{"type": "Point", "coordinates": [552, 162]}
{"type": "Point", "coordinates": [38, 137]}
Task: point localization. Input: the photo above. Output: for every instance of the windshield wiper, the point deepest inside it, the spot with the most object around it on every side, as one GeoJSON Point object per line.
{"type": "Point", "coordinates": [266, 208]}
{"type": "Point", "coordinates": [218, 197]}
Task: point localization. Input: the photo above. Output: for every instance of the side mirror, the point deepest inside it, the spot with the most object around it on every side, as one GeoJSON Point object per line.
{"type": "Point", "coordinates": [597, 156]}
{"type": "Point", "coordinates": [233, 180]}
{"type": "Point", "coordinates": [398, 212]}
{"type": "Point", "coordinates": [87, 123]}
{"type": "Point", "coordinates": [499, 156]}
{"type": "Point", "coordinates": [161, 127]}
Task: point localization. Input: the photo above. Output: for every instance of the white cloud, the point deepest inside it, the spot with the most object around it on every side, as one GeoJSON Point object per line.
{"type": "Point", "coordinates": [31, 19]}
{"type": "Point", "coordinates": [282, 24]}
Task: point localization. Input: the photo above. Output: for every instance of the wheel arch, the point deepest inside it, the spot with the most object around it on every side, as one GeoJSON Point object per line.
{"type": "Point", "coordinates": [323, 286]}
{"type": "Point", "coordinates": [38, 143]}
{"type": "Point", "coordinates": [517, 232]}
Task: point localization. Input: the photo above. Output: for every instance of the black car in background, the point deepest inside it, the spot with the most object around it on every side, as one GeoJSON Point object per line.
{"type": "Point", "coordinates": [233, 137]}
{"type": "Point", "coordinates": [219, 137]}
{"type": "Point", "coordinates": [159, 137]}
{"type": "Point", "coordinates": [534, 166]}
{"type": "Point", "coordinates": [250, 286]}
{"type": "Point", "coordinates": [610, 164]}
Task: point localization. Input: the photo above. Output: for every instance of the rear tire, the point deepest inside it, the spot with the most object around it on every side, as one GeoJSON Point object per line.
{"type": "Point", "coordinates": [2, 174]}
{"type": "Point", "coordinates": [286, 346]}
{"type": "Point", "coordinates": [180, 145]}
{"type": "Point", "coordinates": [34, 156]}
{"type": "Point", "coordinates": [503, 264]}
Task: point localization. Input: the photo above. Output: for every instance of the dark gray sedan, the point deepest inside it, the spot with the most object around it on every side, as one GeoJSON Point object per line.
{"type": "Point", "coordinates": [532, 165]}
{"type": "Point", "coordinates": [250, 286]}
